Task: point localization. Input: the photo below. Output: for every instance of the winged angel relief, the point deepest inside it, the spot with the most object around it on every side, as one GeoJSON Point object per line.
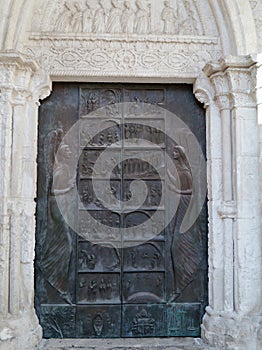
{"type": "Point", "coordinates": [57, 245]}
{"type": "Point", "coordinates": [128, 17]}
{"type": "Point", "coordinates": [184, 252]}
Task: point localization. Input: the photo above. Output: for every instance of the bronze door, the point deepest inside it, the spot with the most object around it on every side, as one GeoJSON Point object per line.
{"type": "Point", "coordinates": [114, 278]}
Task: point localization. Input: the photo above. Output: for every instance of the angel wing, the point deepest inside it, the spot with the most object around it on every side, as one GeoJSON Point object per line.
{"type": "Point", "coordinates": [51, 144]}
{"type": "Point", "coordinates": [186, 252]}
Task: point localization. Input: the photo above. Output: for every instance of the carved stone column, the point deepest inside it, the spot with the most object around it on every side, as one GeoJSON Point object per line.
{"type": "Point", "coordinates": [22, 84]}
{"type": "Point", "coordinates": [235, 324]}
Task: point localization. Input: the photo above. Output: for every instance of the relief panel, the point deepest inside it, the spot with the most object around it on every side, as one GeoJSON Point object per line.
{"type": "Point", "coordinates": [95, 132]}
{"type": "Point", "coordinates": [98, 258]}
{"type": "Point", "coordinates": [58, 321]}
{"type": "Point", "coordinates": [98, 322]}
{"type": "Point", "coordinates": [145, 164]}
{"type": "Point", "coordinates": [100, 230]}
{"type": "Point", "coordinates": [145, 257]}
{"type": "Point", "coordinates": [89, 199]}
{"type": "Point", "coordinates": [88, 159]}
{"type": "Point", "coordinates": [183, 320]}
{"type": "Point", "coordinates": [143, 287]}
{"type": "Point", "coordinates": [139, 135]}
{"type": "Point", "coordinates": [144, 321]}
{"type": "Point", "coordinates": [98, 288]}
{"type": "Point", "coordinates": [93, 99]}
{"type": "Point", "coordinates": [154, 193]}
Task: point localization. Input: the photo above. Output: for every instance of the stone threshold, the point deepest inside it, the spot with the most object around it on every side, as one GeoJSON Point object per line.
{"type": "Point", "coordinates": [125, 344]}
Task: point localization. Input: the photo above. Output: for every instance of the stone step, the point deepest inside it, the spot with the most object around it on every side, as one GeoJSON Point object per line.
{"type": "Point", "coordinates": [125, 344]}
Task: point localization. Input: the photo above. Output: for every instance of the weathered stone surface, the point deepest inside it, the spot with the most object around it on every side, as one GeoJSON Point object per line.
{"type": "Point", "coordinates": [125, 344]}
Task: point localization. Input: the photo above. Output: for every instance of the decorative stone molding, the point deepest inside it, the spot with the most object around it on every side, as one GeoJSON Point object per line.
{"type": "Point", "coordinates": [122, 57]}
{"type": "Point", "coordinates": [21, 87]}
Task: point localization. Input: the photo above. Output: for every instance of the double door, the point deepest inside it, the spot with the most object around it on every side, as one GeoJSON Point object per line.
{"type": "Point", "coordinates": [122, 268]}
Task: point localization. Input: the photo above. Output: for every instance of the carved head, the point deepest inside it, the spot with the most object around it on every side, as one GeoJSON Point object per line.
{"type": "Point", "coordinates": [67, 6]}
{"type": "Point", "coordinates": [139, 4]}
{"type": "Point", "coordinates": [77, 6]}
{"type": "Point", "coordinates": [127, 4]}
{"type": "Point", "coordinates": [167, 3]}
{"type": "Point", "coordinates": [179, 152]}
{"type": "Point", "coordinates": [115, 3]}
{"type": "Point", "coordinates": [63, 152]}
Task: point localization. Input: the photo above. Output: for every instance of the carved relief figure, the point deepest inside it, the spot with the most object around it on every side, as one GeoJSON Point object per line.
{"type": "Point", "coordinates": [114, 19]}
{"type": "Point", "coordinates": [77, 19]}
{"type": "Point", "coordinates": [169, 17]}
{"type": "Point", "coordinates": [188, 21]}
{"type": "Point", "coordinates": [100, 19]}
{"type": "Point", "coordinates": [142, 21]}
{"type": "Point", "coordinates": [64, 21]}
{"type": "Point", "coordinates": [143, 323]}
{"type": "Point", "coordinates": [98, 324]}
{"type": "Point", "coordinates": [128, 18]}
{"type": "Point", "coordinates": [57, 248]}
{"type": "Point", "coordinates": [178, 18]}
{"type": "Point", "coordinates": [184, 250]}
{"type": "Point", "coordinates": [87, 19]}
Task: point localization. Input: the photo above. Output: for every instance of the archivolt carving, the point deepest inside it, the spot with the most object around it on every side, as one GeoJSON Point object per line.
{"type": "Point", "coordinates": [256, 6]}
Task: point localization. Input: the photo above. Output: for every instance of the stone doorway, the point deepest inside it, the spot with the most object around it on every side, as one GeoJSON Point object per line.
{"type": "Point", "coordinates": [90, 283]}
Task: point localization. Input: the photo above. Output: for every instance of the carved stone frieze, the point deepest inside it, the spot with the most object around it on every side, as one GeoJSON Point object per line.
{"type": "Point", "coordinates": [140, 17]}
{"type": "Point", "coordinates": [115, 57]}
{"type": "Point", "coordinates": [130, 38]}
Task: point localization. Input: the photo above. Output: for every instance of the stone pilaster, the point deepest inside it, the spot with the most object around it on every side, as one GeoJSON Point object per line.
{"type": "Point", "coordinates": [235, 324]}
{"type": "Point", "coordinates": [22, 84]}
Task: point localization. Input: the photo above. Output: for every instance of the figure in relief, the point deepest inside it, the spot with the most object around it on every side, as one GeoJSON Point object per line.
{"type": "Point", "coordinates": [64, 21]}
{"type": "Point", "coordinates": [188, 20]}
{"type": "Point", "coordinates": [114, 19]}
{"type": "Point", "coordinates": [184, 250]}
{"type": "Point", "coordinates": [99, 25]}
{"type": "Point", "coordinates": [169, 17]}
{"type": "Point", "coordinates": [87, 19]}
{"type": "Point", "coordinates": [77, 19]}
{"type": "Point", "coordinates": [57, 247]}
{"type": "Point", "coordinates": [128, 18]}
{"type": "Point", "coordinates": [142, 21]}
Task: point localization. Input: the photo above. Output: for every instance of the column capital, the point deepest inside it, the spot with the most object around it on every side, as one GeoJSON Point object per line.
{"type": "Point", "coordinates": [22, 76]}
{"type": "Point", "coordinates": [233, 81]}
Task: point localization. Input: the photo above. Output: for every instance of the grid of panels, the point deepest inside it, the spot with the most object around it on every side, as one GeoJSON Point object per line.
{"type": "Point", "coordinates": [114, 278]}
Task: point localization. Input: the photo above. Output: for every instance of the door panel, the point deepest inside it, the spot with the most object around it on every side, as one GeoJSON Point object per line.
{"type": "Point", "coordinates": [102, 285]}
